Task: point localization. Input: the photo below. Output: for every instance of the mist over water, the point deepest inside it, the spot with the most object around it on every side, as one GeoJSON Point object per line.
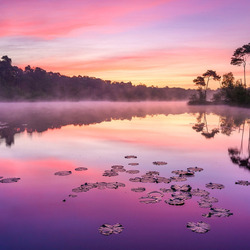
{"type": "Point", "coordinates": [41, 139]}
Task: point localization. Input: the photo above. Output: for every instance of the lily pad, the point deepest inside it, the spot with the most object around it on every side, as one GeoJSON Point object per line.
{"type": "Point", "coordinates": [133, 164]}
{"type": "Point", "coordinates": [80, 189]}
{"type": "Point", "coordinates": [118, 168]}
{"type": "Point", "coordinates": [73, 195]}
{"type": "Point", "coordinates": [178, 178]}
{"type": "Point", "coordinates": [149, 200]}
{"type": "Point", "coordinates": [214, 186]}
{"type": "Point", "coordinates": [148, 179]}
{"type": "Point", "coordinates": [110, 173]}
{"type": "Point", "coordinates": [243, 183]}
{"type": "Point", "coordinates": [182, 195]}
{"type": "Point", "coordinates": [198, 227]}
{"type": "Point", "coordinates": [136, 179]}
{"type": "Point", "coordinates": [183, 188]}
{"type": "Point", "coordinates": [218, 212]}
{"type": "Point", "coordinates": [209, 199]}
{"type": "Point", "coordinates": [175, 201]}
{"type": "Point", "coordinates": [199, 192]}
{"type": "Point", "coordinates": [138, 190]}
{"type": "Point", "coordinates": [63, 173]}
{"type": "Point", "coordinates": [166, 190]}
{"type": "Point", "coordinates": [204, 204]}
{"type": "Point", "coordinates": [115, 185]}
{"type": "Point", "coordinates": [159, 163]}
{"type": "Point", "coordinates": [132, 171]}
{"type": "Point", "coordinates": [195, 169]}
{"type": "Point", "coordinates": [155, 194]}
{"type": "Point", "coordinates": [152, 173]}
{"type": "Point", "coordinates": [162, 180]}
{"type": "Point", "coordinates": [107, 229]}
{"type": "Point", "coordinates": [183, 172]}
{"type": "Point", "coordinates": [10, 180]}
{"type": "Point", "coordinates": [81, 169]}
{"type": "Point", "coordinates": [130, 157]}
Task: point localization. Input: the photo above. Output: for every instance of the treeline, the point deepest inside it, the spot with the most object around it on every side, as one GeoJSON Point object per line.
{"type": "Point", "coordinates": [38, 84]}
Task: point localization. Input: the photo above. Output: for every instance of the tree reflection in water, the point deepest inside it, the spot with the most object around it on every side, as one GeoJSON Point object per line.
{"type": "Point", "coordinates": [240, 156]}
{"type": "Point", "coordinates": [202, 126]}
{"type": "Point", "coordinates": [227, 125]}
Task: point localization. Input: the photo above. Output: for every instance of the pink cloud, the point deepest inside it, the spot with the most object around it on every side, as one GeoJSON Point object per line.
{"type": "Point", "coordinates": [49, 19]}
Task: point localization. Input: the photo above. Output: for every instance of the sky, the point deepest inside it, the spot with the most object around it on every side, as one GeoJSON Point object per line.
{"type": "Point", "coordinates": [153, 42]}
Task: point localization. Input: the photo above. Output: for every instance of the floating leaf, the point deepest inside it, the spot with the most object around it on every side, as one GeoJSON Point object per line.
{"type": "Point", "coordinates": [136, 179]}
{"type": "Point", "coordinates": [178, 178]}
{"type": "Point", "coordinates": [175, 201]}
{"type": "Point", "coordinates": [198, 227]}
{"type": "Point", "coordinates": [209, 199]}
{"type": "Point", "coordinates": [10, 180]}
{"type": "Point", "coordinates": [199, 192]}
{"type": "Point", "coordinates": [243, 183]}
{"type": "Point", "coordinates": [183, 188]}
{"type": "Point", "coordinates": [133, 164]}
{"type": "Point", "coordinates": [107, 229]}
{"type": "Point", "coordinates": [195, 169]}
{"type": "Point", "coordinates": [149, 200]}
{"type": "Point", "coordinates": [182, 195]}
{"type": "Point", "coordinates": [110, 173]}
{"type": "Point", "coordinates": [130, 157]}
{"type": "Point", "coordinates": [204, 204]}
{"type": "Point", "coordinates": [155, 194]}
{"type": "Point", "coordinates": [166, 190]}
{"type": "Point", "coordinates": [132, 171]}
{"type": "Point", "coordinates": [114, 185]}
{"type": "Point", "coordinates": [148, 180]}
{"type": "Point", "coordinates": [214, 186]}
{"type": "Point", "coordinates": [218, 212]}
{"type": "Point", "coordinates": [118, 168]}
{"type": "Point", "coordinates": [160, 163]}
{"type": "Point", "coordinates": [162, 179]}
{"type": "Point", "coordinates": [73, 195]}
{"type": "Point", "coordinates": [138, 190]}
{"type": "Point", "coordinates": [152, 173]}
{"type": "Point", "coordinates": [183, 172]}
{"type": "Point", "coordinates": [81, 169]}
{"type": "Point", "coordinates": [63, 173]}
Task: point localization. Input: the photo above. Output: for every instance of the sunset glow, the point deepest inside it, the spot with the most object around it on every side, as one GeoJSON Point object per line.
{"type": "Point", "coordinates": [160, 42]}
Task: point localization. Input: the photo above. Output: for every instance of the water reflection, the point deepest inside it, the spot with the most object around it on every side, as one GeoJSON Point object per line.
{"type": "Point", "coordinates": [241, 156]}
{"type": "Point", "coordinates": [39, 117]}
{"type": "Point", "coordinates": [227, 124]}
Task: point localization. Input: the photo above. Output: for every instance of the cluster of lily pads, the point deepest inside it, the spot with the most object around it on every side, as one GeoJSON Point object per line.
{"type": "Point", "coordinates": [9, 180]}
{"type": "Point", "coordinates": [179, 193]}
{"type": "Point", "coordinates": [65, 173]}
{"type": "Point", "coordinates": [99, 185]}
{"type": "Point", "coordinates": [119, 168]}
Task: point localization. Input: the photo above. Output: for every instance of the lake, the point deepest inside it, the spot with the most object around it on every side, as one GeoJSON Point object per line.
{"type": "Point", "coordinates": [44, 210]}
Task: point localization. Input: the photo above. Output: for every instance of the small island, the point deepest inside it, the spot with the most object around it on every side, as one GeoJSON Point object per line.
{"type": "Point", "coordinates": [231, 91]}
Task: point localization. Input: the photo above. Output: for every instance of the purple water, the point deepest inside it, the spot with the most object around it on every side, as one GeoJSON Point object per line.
{"type": "Point", "coordinates": [39, 139]}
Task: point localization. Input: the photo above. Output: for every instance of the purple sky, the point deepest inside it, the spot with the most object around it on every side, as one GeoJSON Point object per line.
{"type": "Point", "coordinates": [156, 42]}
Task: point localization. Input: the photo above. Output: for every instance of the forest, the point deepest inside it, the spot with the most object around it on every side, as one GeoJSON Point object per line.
{"type": "Point", "coordinates": [33, 84]}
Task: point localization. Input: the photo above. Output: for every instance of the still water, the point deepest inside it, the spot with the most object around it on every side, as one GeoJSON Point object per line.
{"type": "Point", "coordinates": [39, 139]}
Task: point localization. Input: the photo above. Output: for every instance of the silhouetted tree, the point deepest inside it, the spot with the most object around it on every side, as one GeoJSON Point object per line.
{"type": "Point", "coordinates": [210, 74]}
{"type": "Point", "coordinates": [240, 58]}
